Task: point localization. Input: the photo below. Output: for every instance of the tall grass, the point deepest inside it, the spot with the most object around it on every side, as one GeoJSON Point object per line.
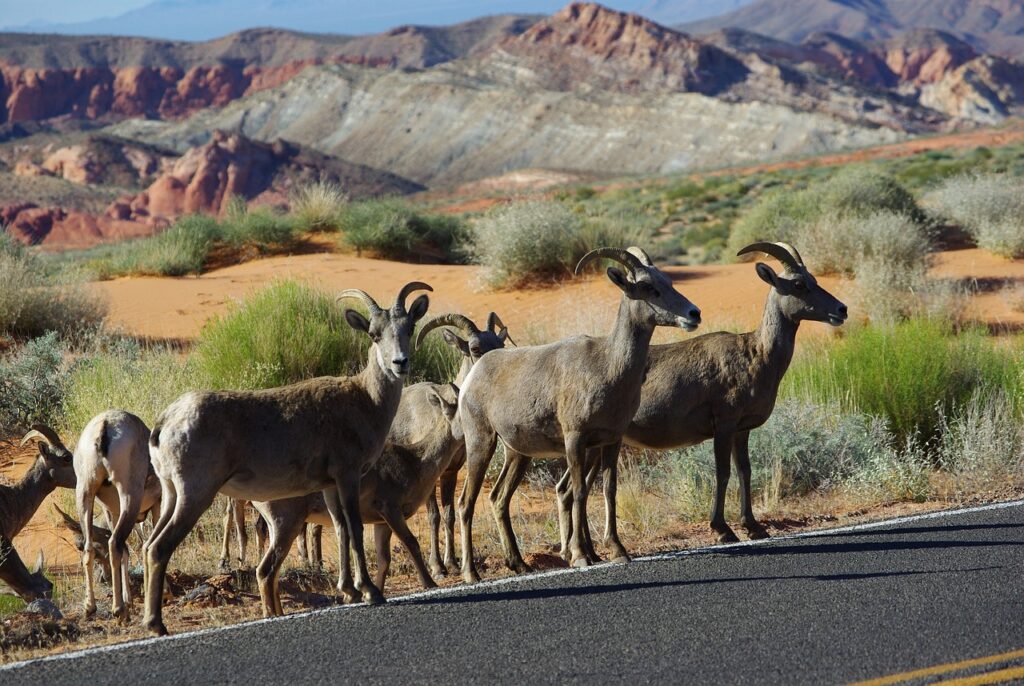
{"type": "Point", "coordinates": [536, 241]}
{"type": "Point", "coordinates": [911, 374]}
{"type": "Point", "coordinates": [35, 297]}
{"type": "Point", "coordinates": [125, 375]}
{"type": "Point", "coordinates": [393, 229]}
{"type": "Point", "coordinates": [319, 207]}
{"type": "Point", "coordinates": [181, 249]}
{"type": "Point", "coordinates": [989, 207]}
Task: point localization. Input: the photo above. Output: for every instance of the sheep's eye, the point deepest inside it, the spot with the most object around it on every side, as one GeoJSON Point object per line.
{"type": "Point", "coordinates": [800, 285]}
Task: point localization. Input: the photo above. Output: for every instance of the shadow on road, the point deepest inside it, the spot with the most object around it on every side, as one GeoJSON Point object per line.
{"type": "Point", "coordinates": [923, 529]}
{"type": "Point", "coordinates": [572, 591]}
{"type": "Point", "coordinates": [855, 547]}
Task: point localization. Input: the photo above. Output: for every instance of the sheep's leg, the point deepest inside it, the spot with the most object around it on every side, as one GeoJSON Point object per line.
{"type": "Point", "coordinates": [167, 501]}
{"type": "Point", "coordinates": [741, 457]}
{"type": "Point", "coordinates": [188, 508]}
{"type": "Point", "coordinates": [348, 493]}
{"type": "Point", "coordinates": [282, 534]}
{"type": "Point", "coordinates": [262, 534]}
{"type": "Point", "coordinates": [118, 546]}
{"type": "Point", "coordinates": [480, 446]}
{"type": "Point", "coordinates": [448, 482]}
{"type": "Point", "coordinates": [382, 544]}
{"type": "Point", "coordinates": [84, 499]}
{"type": "Point", "coordinates": [576, 457]}
{"type": "Point", "coordinates": [225, 562]}
{"type": "Point", "coordinates": [301, 544]}
{"type": "Point", "coordinates": [316, 553]}
{"type": "Point", "coordinates": [392, 515]}
{"type": "Point", "coordinates": [345, 586]}
{"type": "Point", "coordinates": [563, 499]}
{"type": "Point", "coordinates": [238, 518]}
{"type": "Point", "coordinates": [610, 470]}
{"type": "Point", "coordinates": [434, 523]}
{"type": "Point", "coordinates": [723, 452]}
{"type": "Point", "coordinates": [511, 476]}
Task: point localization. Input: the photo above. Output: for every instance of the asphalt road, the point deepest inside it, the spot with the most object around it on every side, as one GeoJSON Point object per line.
{"type": "Point", "coordinates": [829, 608]}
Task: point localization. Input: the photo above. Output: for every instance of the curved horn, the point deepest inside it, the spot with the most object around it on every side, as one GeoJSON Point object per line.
{"type": "Point", "coordinates": [494, 322]}
{"type": "Point", "coordinates": [44, 432]}
{"type": "Point", "coordinates": [360, 295]}
{"type": "Point", "coordinates": [407, 289]}
{"type": "Point", "coordinates": [621, 256]}
{"type": "Point", "coordinates": [783, 252]}
{"type": "Point", "coordinates": [641, 255]}
{"type": "Point", "coordinates": [459, 321]}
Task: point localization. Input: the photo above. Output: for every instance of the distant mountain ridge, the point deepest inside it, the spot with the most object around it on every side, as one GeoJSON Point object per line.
{"type": "Point", "coordinates": [992, 26]}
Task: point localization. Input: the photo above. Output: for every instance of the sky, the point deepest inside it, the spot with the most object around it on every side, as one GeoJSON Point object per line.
{"type": "Point", "coordinates": [204, 19]}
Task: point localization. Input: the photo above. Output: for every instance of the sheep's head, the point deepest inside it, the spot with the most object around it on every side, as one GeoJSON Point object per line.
{"type": "Point", "coordinates": [390, 330]}
{"type": "Point", "coordinates": [800, 295]}
{"type": "Point", "coordinates": [54, 459]}
{"type": "Point", "coordinates": [446, 399]}
{"type": "Point", "coordinates": [476, 342]}
{"type": "Point", "coordinates": [643, 281]}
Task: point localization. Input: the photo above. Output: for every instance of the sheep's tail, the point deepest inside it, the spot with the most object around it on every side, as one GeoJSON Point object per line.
{"type": "Point", "coordinates": [103, 440]}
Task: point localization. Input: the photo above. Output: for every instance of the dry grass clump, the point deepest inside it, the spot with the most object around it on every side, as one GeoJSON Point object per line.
{"type": "Point", "coordinates": [990, 207]}
{"type": "Point", "coordinates": [318, 207]}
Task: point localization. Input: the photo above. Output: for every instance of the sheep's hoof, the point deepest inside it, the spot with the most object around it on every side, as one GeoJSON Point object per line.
{"type": "Point", "coordinates": [756, 534]}
{"type": "Point", "coordinates": [438, 569]}
{"type": "Point", "coordinates": [371, 596]}
{"type": "Point", "coordinates": [224, 565]}
{"type": "Point", "coordinates": [88, 611]}
{"type": "Point", "coordinates": [155, 626]}
{"type": "Point", "coordinates": [519, 566]}
{"type": "Point", "coordinates": [349, 594]}
{"type": "Point", "coordinates": [121, 613]}
{"type": "Point", "coordinates": [470, 576]}
{"type": "Point", "coordinates": [621, 559]}
{"type": "Point", "coordinates": [582, 562]}
{"type": "Point", "coordinates": [728, 536]}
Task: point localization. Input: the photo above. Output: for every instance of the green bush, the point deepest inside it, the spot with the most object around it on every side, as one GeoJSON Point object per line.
{"type": "Point", "coordinates": [319, 207]}
{"type": "Point", "coordinates": [259, 227]}
{"type": "Point", "coordinates": [851, 192]}
{"type": "Point", "coordinates": [537, 241]}
{"type": "Point", "coordinates": [122, 374]}
{"type": "Point", "coordinates": [284, 333]}
{"type": "Point", "coordinates": [912, 374]}
{"type": "Point", "coordinates": [32, 381]}
{"type": "Point", "coordinates": [35, 298]}
{"type": "Point", "coordinates": [392, 229]}
{"type": "Point", "coordinates": [989, 207]}
{"type": "Point", "coordinates": [181, 249]}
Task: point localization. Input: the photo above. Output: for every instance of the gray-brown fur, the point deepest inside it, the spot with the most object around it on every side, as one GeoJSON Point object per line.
{"type": "Point", "coordinates": [393, 489]}
{"type": "Point", "coordinates": [720, 386]}
{"type": "Point", "coordinates": [51, 468]}
{"type": "Point", "coordinates": [564, 398]}
{"type": "Point", "coordinates": [100, 538]}
{"type": "Point", "coordinates": [319, 434]}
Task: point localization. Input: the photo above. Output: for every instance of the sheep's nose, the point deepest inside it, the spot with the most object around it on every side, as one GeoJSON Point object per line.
{"type": "Point", "coordinates": [694, 314]}
{"type": "Point", "coordinates": [401, 362]}
{"type": "Point", "coordinates": [842, 310]}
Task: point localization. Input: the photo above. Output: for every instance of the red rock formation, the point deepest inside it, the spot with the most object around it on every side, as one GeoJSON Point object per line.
{"type": "Point", "coordinates": [50, 226]}
{"type": "Point", "coordinates": [925, 56]}
{"type": "Point", "coordinates": [588, 43]}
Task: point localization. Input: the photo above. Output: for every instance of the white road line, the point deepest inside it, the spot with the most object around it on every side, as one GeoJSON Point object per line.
{"type": "Point", "coordinates": [450, 590]}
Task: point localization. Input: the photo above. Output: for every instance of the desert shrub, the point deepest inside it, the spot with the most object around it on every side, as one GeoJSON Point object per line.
{"type": "Point", "coordinates": [990, 207]}
{"type": "Point", "coordinates": [536, 241]}
{"type": "Point", "coordinates": [124, 375]}
{"type": "Point", "coordinates": [281, 334]}
{"type": "Point", "coordinates": [911, 374]}
{"type": "Point", "coordinates": [32, 381]}
{"type": "Point", "coordinates": [392, 229]}
{"type": "Point", "coordinates": [851, 192]}
{"type": "Point", "coordinates": [842, 243]}
{"type": "Point", "coordinates": [35, 298]}
{"type": "Point", "coordinates": [180, 249]}
{"type": "Point", "coordinates": [804, 447]}
{"type": "Point", "coordinates": [259, 227]}
{"type": "Point", "coordinates": [982, 443]}
{"type": "Point", "coordinates": [318, 207]}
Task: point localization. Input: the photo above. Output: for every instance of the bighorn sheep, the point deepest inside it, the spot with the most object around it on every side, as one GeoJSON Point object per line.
{"type": "Point", "coordinates": [112, 465]}
{"type": "Point", "coordinates": [721, 386]}
{"type": "Point", "coordinates": [51, 468]}
{"type": "Point", "coordinates": [100, 541]}
{"type": "Point", "coordinates": [234, 516]}
{"type": "Point", "coordinates": [389, 493]}
{"type": "Point", "coordinates": [320, 434]}
{"type": "Point", "coordinates": [565, 398]}
{"type": "Point", "coordinates": [475, 344]}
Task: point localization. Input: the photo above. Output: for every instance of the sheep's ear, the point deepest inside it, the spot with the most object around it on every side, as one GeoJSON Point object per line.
{"type": "Point", "coordinates": [40, 563]}
{"type": "Point", "coordinates": [767, 274]}
{"type": "Point", "coordinates": [619, 278]}
{"type": "Point", "coordinates": [454, 341]}
{"type": "Point", "coordinates": [357, 321]}
{"type": "Point", "coordinates": [442, 403]}
{"type": "Point", "coordinates": [419, 308]}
